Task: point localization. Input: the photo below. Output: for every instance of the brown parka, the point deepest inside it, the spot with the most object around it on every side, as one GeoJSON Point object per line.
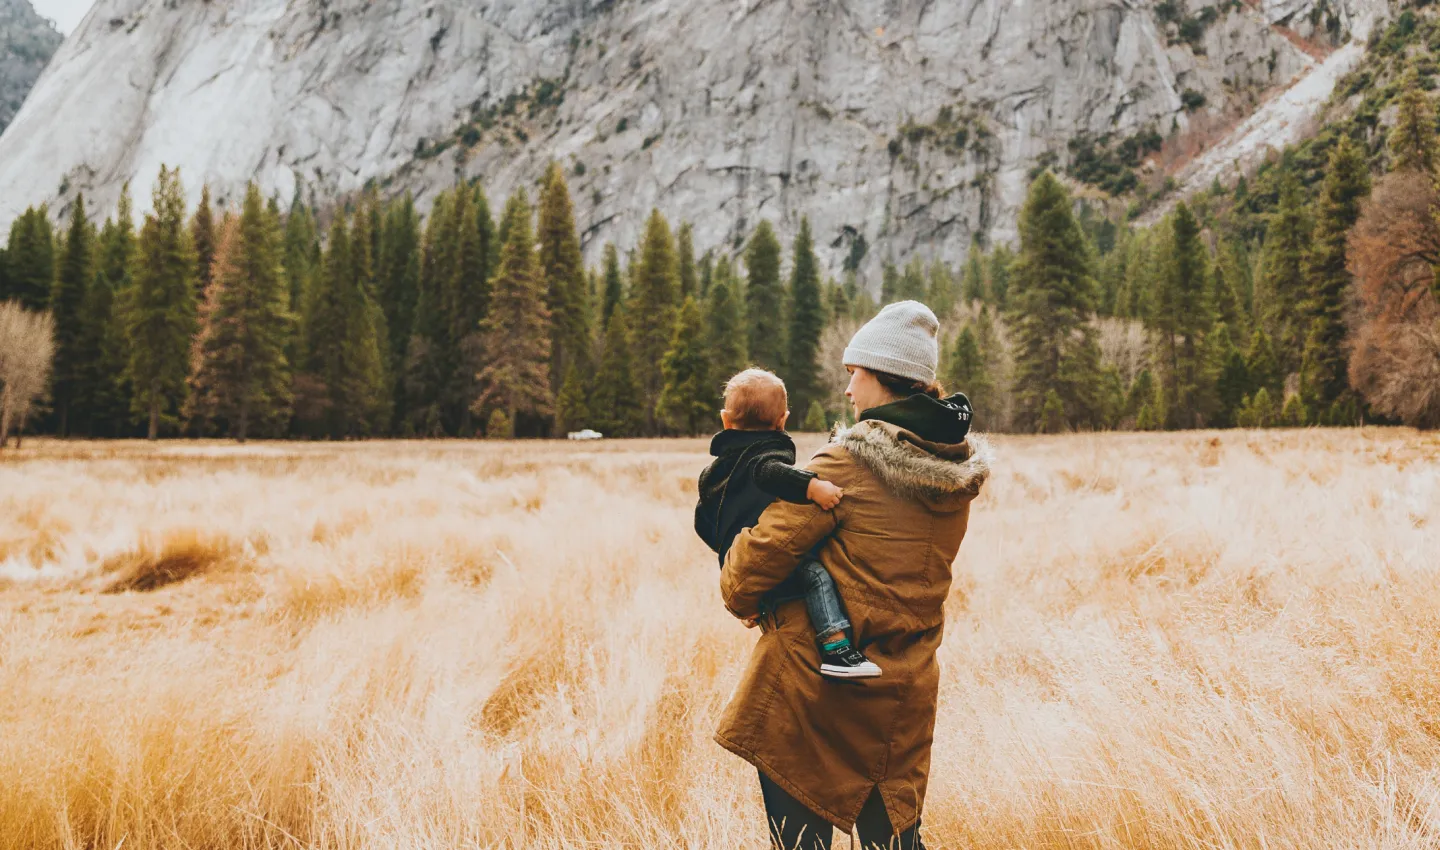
{"type": "Point", "coordinates": [889, 546]}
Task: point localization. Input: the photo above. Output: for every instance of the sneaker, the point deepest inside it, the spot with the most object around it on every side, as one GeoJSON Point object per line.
{"type": "Point", "coordinates": [843, 661]}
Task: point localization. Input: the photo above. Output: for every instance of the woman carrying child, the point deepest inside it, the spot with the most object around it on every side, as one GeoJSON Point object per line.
{"type": "Point", "coordinates": [857, 752]}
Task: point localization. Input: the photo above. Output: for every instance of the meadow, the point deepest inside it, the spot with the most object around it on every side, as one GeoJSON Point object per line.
{"type": "Point", "coordinates": [1198, 640]}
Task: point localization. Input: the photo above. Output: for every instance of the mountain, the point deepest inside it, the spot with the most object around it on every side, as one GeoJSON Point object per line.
{"type": "Point", "coordinates": [913, 124]}
{"type": "Point", "coordinates": [27, 41]}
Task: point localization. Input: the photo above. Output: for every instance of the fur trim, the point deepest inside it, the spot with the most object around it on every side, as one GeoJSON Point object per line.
{"type": "Point", "coordinates": [908, 470]}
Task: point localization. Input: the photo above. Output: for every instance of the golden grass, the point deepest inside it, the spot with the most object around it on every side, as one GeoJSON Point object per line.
{"type": "Point", "coordinates": [1198, 640]}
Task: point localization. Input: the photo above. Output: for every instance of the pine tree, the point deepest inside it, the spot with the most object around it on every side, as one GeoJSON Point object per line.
{"type": "Point", "coordinates": [203, 236]}
{"type": "Point", "coordinates": [106, 354]}
{"type": "Point", "coordinates": [427, 371]}
{"type": "Point", "coordinates": [1228, 378]}
{"type": "Point", "coordinates": [1283, 280]}
{"type": "Point", "coordinates": [912, 282]}
{"type": "Point", "coordinates": [30, 259]}
{"type": "Point", "coordinates": [815, 419]}
{"type": "Point", "coordinates": [973, 287]}
{"type": "Point", "coordinates": [1133, 298]}
{"type": "Point", "coordinates": [841, 307]}
{"type": "Point", "coordinates": [572, 405]}
{"type": "Point", "coordinates": [1112, 399]}
{"type": "Point", "coordinates": [686, 401]}
{"type": "Point", "coordinates": [941, 296]}
{"type": "Point", "coordinates": [1180, 318]}
{"type": "Point", "coordinates": [466, 294]}
{"type": "Point", "coordinates": [1261, 364]}
{"type": "Point", "coordinates": [807, 322]}
{"type": "Point", "coordinates": [344, 356]}
{"type": "Point", "coordinates": [725, 332]}
{"type": "Point", "coordinates": [987, 341]}
{"type": "Point", "coordinates": [615, 400]}
{"type": "Point", "coordinates": [1224, 298]}
{"type": "Point", "coordinates": [515, 334]}
{"type": "Point", "coordinates": [1112, 273]}
{"type": "Point", "coordinates": [764, 299]}
{"type": "Point", "coordinates": [398, 275]}
{"type": "Point", "coordinates": [652, 309]}
{"type": "Point", "coordinates": [302, 255]}
{"type": "Point", "coordinates": [685, 259]}
{"type": "Point", "coordinates": [1054, 296]}
{"type": "Point", "coordinates": [967, 371]}
{"type": "Point", "coordinates": [72, 281]}
{"type": "Point", "coordinates": [499, 426]}
{"type": "Point", "coordinates": [706, 274]}
{"type": "Point", "coordinates": [889, 283]}
{"type": "Point", "coordinates": [564, 271]}
{"type": "Point", "coordinates": [1412, 140]}
{"type": "Point", "coordinates": [160, 307]}
{"type": "Point", "coordinates": [1052, 414]}
{"type": "Point", "coordinates": [1140, 399]}
{"type": "Point", "coordinates": [1293, 413]}
{"type": "Point", "coordinates": [1347, 182]}
{"type": "Point", "coordinates": [238, 366]}
{"type": "Point", "coordinates": [614, 289]}
{"type": "Point", "coordinates": [1257, 411]}
{"type": "Point", "coordinates": [364, 258]}
{"type": "Point", "coordinates": [1001, 259]}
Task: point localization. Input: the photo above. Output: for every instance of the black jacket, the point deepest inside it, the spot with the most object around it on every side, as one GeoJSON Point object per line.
{"type": "Point", "coordinates": [751, 469]}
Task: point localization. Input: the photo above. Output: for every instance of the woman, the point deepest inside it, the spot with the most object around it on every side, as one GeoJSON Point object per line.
{"type": "Point", "coordinates": [858, 752]}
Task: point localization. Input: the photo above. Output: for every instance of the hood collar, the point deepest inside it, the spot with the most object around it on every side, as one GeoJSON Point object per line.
{"type": "Point", "coordinates": [940, 474]}
{"type": "Point", "coordinates": [944, 421]}
{"type": "Point", "coordinates": [730, 440]}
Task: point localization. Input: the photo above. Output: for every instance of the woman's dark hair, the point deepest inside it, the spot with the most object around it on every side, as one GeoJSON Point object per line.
{"type": "Point", "coordinates": [906, 387]}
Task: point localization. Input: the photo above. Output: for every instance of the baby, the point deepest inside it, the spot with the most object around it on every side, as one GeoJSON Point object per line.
{"type": "Point", "coordinates": [754, 466]}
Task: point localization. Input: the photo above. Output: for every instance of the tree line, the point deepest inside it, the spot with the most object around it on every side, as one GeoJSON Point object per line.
{"type": "Point", "coordinates": [252, 322]}
{"type": "Point", "coordinates": [258, 322]}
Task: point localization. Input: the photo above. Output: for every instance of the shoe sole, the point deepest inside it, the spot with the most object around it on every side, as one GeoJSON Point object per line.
{"type": "Point", "coordinates": [869, 672]}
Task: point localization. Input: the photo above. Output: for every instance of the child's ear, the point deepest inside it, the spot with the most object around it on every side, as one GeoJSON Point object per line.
{"type": "Point", "coordinates": [726, 421]}
{"type": "Point", "coordinates": [780, 426]}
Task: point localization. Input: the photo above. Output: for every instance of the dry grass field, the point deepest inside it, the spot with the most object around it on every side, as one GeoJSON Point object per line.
{"type": "Point", "coordinates": [1156, 641]}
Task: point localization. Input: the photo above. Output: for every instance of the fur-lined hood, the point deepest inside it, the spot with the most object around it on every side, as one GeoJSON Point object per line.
{"type": "Point", "coordinates": [914, 468]}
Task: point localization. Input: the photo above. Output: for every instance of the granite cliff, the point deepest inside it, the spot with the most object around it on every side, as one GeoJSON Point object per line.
{"type": "Point", "coordinates": [27, 41]}
{"type": "Point", "coordinates": [914, 124]}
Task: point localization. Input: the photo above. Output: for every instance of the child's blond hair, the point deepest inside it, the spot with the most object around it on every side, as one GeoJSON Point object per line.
{"type": "Point", "coordinates": [756, 400]}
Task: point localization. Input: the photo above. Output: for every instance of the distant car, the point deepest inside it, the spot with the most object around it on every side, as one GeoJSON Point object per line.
{"type": "Point", "coordinates": [587, 434]}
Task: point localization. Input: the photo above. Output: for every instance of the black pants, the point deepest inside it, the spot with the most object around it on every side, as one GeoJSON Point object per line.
{"type": "Point", "coordinates": [794, 827]}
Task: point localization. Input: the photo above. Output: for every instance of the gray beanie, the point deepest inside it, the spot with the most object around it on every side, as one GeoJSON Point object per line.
{"type": "Point", "coordinates": [900, 341]}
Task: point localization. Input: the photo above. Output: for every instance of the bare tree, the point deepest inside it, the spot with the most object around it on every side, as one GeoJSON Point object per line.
{"type": "Point", "coordinates": [27, 349]}
{"type": "Point", "coordinates": [1124, 344]}
{"type": "Point", "coordinates": [1394, 250]}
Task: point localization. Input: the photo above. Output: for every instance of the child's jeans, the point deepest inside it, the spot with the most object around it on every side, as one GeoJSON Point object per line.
{"type": "Point", "coordinates": [822, 601]}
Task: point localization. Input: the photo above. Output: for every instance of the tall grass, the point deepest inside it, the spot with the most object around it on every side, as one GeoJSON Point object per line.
{"type": "Point", "coordinates": [1154, 641]}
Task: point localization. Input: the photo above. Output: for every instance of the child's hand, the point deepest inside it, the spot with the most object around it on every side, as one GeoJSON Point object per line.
{"type": "Point", "coordinates": [824, 494]}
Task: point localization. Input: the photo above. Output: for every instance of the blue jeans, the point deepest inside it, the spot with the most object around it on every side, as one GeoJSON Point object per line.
{"type": "Point", "coordinates": [822, 600]}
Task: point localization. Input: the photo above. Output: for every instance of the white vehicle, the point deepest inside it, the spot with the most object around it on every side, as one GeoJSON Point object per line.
{"type": "Point", "coordinates": [586, 434]}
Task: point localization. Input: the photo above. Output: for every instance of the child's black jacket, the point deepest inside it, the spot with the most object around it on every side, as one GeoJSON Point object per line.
{"type": "Point", "coordinates": [751, 469]}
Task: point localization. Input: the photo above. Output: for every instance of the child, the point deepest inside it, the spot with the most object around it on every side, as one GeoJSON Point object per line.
{"type": "Point", "coordinates": [754, 465]}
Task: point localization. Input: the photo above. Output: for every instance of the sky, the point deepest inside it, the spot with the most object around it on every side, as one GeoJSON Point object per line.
{"type": "Point", "coordinates": [65, 13]}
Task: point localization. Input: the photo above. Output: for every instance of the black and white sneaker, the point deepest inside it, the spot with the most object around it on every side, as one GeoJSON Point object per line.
{"type": "Point", "coordinates": [846, 662]}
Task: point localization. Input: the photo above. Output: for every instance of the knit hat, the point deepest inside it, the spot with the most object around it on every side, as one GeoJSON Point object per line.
{"type": "Point", "coordinates": [900, 341]}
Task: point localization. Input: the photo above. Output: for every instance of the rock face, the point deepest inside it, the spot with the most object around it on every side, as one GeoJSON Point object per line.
{"type": "Point", "coordinates": [27, 41]}
{"type": "Point", "coordinates": [914, 124]}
